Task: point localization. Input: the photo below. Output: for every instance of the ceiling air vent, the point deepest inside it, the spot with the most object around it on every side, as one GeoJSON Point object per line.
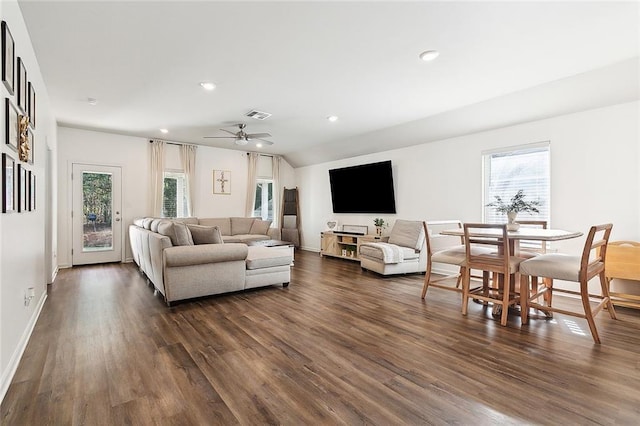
{"type": "Point", "coordinates": [258, 115]}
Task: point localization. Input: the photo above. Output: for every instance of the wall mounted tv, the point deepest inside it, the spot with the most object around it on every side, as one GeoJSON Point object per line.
{"type": "Point", "coordinates": [366, 188]}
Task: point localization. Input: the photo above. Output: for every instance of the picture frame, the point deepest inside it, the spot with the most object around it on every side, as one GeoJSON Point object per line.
{"type": "Point", "coordinates": [32, 106]}
{"type": "Point", "coordinates": [12, 125]}
{"type": "Point", "coordinates": [32, 191]}
{"type": "Point", "coordinates": [22, 189]}
{"type": "Point", "coordinates": [22, 86]}
{"type": "Point", "coordinates": [31, 139]}
{"type": "Point", "coordinates": [222, 182]}
{"type": "Point", "coordinates": [8, 58]}
{"type": "Point", "coordinates": [8, 183]}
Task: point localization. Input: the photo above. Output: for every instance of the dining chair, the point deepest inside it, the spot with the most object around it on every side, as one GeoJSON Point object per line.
{"type": "Point", "coordinates": [580, 269]}
{"type": "Point", "coordinates": [497, 260]}
{"type": "Point", "coordinates": [532, 248]}
{"type": "Point", "coordinates": [446, 250]}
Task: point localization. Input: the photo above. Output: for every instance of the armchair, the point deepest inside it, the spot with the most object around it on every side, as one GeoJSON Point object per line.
{"type": "Point", "coordinates": [404, 253]}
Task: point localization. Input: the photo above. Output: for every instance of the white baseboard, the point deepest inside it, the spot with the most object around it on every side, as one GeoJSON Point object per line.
{"type": "Point", "coordinates": [8, 374]}
{"type": "Point", "coordinates": [64, 266]}
{"type": "Point", "coordinates": [54, 275]}
{"type": "Point", "coordinates": [310, 249]}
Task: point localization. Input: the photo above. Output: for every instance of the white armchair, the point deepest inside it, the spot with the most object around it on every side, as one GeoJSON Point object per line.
{"type": "Point", "coordinates": [404, 253]}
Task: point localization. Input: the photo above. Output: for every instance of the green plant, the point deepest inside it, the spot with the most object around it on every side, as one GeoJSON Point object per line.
{"type": "Point", "coordinates": [517, 204]}
{"type": "Point", "coordinates": [378, 221]}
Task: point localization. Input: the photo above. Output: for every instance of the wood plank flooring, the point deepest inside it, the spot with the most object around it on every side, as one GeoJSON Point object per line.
{"type": "Point", "coordinates": [338, 346]}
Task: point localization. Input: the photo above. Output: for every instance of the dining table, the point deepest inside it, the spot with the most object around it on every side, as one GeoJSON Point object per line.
{"type": "Point", "coordinates": [515, 237]}
{"type": "Point", "coordinates": [523, 233]}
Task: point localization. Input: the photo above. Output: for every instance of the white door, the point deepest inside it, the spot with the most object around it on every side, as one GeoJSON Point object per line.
{"type": "Point", "coordinates": [96, 215]}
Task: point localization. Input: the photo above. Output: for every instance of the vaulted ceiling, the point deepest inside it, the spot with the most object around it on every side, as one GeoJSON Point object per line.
{"type": "Point", "coordinates": [500, 63]}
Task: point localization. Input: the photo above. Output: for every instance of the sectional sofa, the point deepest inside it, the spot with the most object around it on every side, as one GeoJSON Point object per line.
{"type": "Point", "coordinates": [195, 257]}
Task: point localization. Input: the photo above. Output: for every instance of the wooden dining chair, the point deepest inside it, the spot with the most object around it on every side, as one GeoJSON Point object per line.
{"type": "Point", "coordinates": [498, 260]}
{"type": "Point", "coordinates": [580, 269]}
{"type": "Point", "coordinates": [532, 248]}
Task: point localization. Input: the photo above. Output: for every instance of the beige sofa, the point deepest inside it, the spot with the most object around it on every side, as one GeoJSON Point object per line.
{"type": "Point", "coordinates": [181, 268]}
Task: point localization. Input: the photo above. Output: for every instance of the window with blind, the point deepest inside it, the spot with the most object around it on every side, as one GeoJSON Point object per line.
{"type": "Point", "coordinates": [263, 203]}
{"type": "Point", "coordinates": [174, 195]}
{"type": "Point", "coordinates": [509, 170]}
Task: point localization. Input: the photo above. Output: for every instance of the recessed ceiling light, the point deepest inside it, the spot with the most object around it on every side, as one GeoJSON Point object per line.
{"type": "Point", "coordinates": [207, 85]}
{"type": "Point", "coordinates": [92, 101]}
{"type": "Point", "coordinates": [429, 55]}
{"type": "Point", "coordinates": [332, 118]}
{"type": "Point", "coordinates": [259, 145]}
{"type": "Point", "coordinates": [164, 130]}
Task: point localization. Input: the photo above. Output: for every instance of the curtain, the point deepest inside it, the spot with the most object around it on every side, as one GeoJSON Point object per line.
{"type": "Point", "coordinates": [276, 191]}
{"type": "Point", "coordinates": [251, 183]}
{"type": "Point", "coordinates": [157, 176]}
{"type": "Point", "coordinates": [188, 156]}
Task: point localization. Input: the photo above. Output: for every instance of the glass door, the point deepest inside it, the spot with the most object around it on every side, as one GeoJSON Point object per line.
{"type": "Point", "coordinates": [96, 215]}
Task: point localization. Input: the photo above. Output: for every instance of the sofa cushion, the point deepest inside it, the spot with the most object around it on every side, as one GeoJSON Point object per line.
{"type": "Point", "coordinates": [267, 257]}
{"type": "Point", "coordinates": [241, 225]}
{"type": "Point", "coordinates": [205, 234]}
{"type": "Point", "coordinates": [153, 227]}
{"type": "Point", "coordinates": [186, 220]}
{"type": "Point", "coordinates": [260, 226]}
{"type": "Point", "coordinates": [177, 232]}
{"type": "Point", "coordinates": [139, 221]}
{"type": "Point", "coordinates": [223, 223]}
{"type": "Point", "coordinates": [407, 233]}
{"type": "Point", "coordinates": [245, 238]}
{"type": "Point", "coordinates": [146, 222]}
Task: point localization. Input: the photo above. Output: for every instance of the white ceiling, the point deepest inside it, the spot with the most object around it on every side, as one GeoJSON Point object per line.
{"type": "Point", "coordinates": [500, 63]}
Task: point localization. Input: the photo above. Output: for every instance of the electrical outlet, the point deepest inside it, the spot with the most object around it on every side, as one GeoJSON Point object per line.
{"type": "Point", "coordinates": [29, 294]}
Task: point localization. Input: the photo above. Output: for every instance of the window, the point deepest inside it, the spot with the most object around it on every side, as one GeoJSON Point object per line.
{"type": "Point", "coordinates": [507, 171]}
{"type": "Point", "coordinates": [174, 199]}
{"type": "Point", "coordinates": [263, 205]}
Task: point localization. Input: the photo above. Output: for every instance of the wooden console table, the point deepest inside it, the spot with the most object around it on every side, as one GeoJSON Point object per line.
{"type": "Point", "coordinates": [345, 246]}
{"type": "Point", "coordinates": [623, 262]}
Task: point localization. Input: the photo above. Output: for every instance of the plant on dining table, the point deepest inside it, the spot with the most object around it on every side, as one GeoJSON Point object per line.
{"type": "Point", "coordinates": [514, 206]}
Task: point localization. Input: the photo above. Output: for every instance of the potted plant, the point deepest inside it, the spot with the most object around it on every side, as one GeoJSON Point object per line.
{"type": "Point", "coordinates": [379, 223]}
{"type": "Point", "coordinates": [516, 205]}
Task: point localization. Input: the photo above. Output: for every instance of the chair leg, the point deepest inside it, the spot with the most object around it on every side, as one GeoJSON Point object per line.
{"type": "Point", "coordinates": [605, 293]}
{"type": "Point", "coordinates": [524, 298]}
{"type": "Point", "coordinates": [427, 277]}
{"type": "Point", "coordinates": [505, 300]}
{"type": "Point", "coordinates": [466, 284]}
{"type": "Point", "coordinates": [584, 294]}
{"type": "Point", "coordinates": [460, 274]}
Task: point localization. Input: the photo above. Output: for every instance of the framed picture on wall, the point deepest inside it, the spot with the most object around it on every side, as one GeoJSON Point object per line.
{"type": "Point", "coordinates": [11, 124]}
{"type": "Point", "coordinates": [8, 184]}
{"type": "Point", "coordinates": [32, 106]}
{"type": "Point", "coordinates": [8, 58]}
{"type": "Point", "coordinates": [222, 182]}
{"type": "Point", "coordinates": [32, 191]}
{"type": "Point", "coordinates": [22, 86]}
{"type": "Point", "coordinates": [22, 188]}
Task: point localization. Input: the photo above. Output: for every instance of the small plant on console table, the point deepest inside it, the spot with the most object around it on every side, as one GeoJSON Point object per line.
{"type": "Point", "coordinates": [380, 224]}
{"type": "Point", "coordinates": [516, 205]}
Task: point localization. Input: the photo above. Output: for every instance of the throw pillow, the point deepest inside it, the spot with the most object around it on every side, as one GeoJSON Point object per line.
{"type": "Point", "coordinates": [260, 227]}
{"type": "Point", "coordinates": [205, 234]}
{"type": "Point", "coordinates": [177, 232]}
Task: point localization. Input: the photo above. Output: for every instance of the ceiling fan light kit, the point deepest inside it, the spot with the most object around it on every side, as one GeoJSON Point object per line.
{"type": "Point", "coordinates": [242, 138]}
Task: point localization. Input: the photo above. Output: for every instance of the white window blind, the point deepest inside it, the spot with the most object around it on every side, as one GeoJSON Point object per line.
{"type": "Point", "coordinates": [510, 170]}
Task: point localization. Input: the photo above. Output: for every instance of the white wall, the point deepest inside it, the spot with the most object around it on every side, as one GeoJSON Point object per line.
{"type": "Point", "coordinates": [595, 162]}
{"type": "Point", "coordinates": [24, 259]}
{"type": "Point", "coordinates": [132, 155]}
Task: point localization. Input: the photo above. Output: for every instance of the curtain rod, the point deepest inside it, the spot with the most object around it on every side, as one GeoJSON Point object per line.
{"type": "Point", "coordinates": [174, 143]}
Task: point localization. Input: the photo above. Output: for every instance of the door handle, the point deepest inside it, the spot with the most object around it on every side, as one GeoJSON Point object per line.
{"type": "Point", "coordinates": [117, 219]}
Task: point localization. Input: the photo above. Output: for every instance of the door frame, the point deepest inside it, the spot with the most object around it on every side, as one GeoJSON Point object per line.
{"type": "Point", "coordinates": [119, 227]}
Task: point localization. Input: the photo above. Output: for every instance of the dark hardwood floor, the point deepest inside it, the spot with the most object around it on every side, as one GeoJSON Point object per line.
{"type": "Point", "coordinates": [338, 346]}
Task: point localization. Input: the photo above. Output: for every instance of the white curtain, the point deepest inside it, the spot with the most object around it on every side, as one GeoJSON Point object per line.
{"type": "Point", "coordinates": [157, 176]}
{"type": "Point", "coordinates": [251, 183]}
{"type": "Point", "coordinates": [276, 191]}
{"type": "Point", "coordinates": [188, 156]}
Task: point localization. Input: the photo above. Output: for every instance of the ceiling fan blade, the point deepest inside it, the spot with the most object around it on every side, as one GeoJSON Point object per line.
{"type": "Point", "coordinates": [258, 135]}
{"type": "Point", "coordinates": [228, 131]}
{"type": "Point", "coordinates": [264, 142]}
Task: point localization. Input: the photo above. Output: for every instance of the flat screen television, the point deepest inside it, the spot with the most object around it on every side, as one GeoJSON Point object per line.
{"type": "Point", "coordinates": [366, 188]}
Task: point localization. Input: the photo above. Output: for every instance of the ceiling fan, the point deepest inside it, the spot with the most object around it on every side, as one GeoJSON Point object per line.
{"type": "Point", "coordinates": [243, 138]}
